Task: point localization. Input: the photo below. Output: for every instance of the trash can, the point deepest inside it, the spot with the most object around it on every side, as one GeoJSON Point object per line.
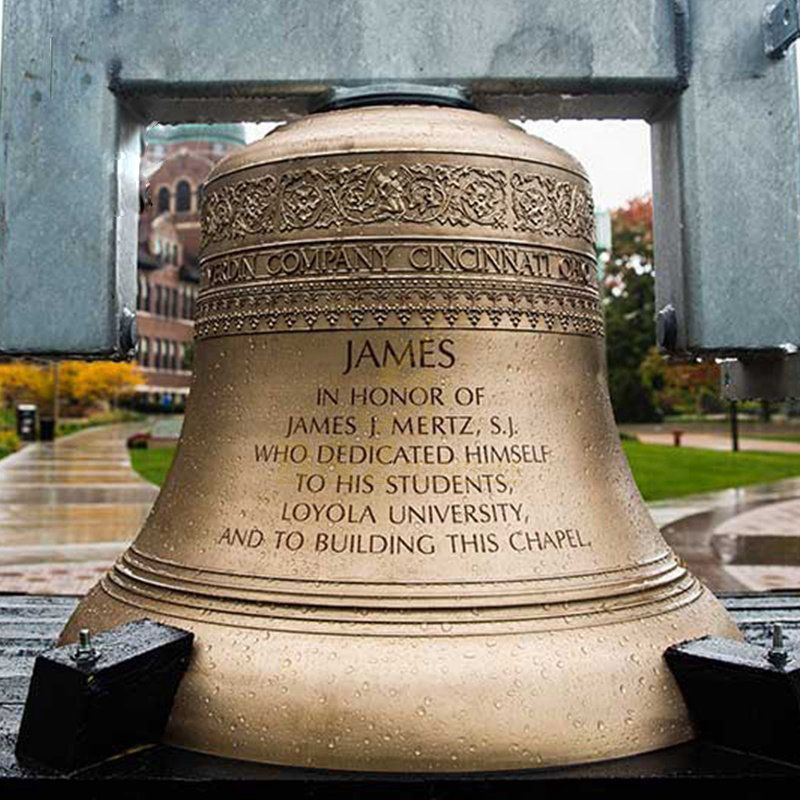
{"type": "Point", "coordinates": [47, 429]}
{"type": "Point", "coordinates": [26, 422]}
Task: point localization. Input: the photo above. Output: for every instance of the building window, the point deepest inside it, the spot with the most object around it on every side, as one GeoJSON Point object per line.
{"type": "Point", "coordinates": [183, 196]}
{"type": "Point", "coordinates": [163, 199]}
{"type": "Point", "coordinates": [144, 352]}
{"type": "Point", "coordinates": [174, 309]}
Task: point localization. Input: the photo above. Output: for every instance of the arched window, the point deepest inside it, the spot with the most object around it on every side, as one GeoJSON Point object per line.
{"type": "Point", "coordinates": [183, 196]}
{"type": "Point", "coordinates": [163, 199]}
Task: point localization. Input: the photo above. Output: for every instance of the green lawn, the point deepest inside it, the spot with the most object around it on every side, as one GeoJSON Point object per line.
{"type": "Point", "coordinates": [663, 471]}
{"type": "Point", "coordinates": [154, 464]}
{"type": "Point", "coordinates": [660, 471]}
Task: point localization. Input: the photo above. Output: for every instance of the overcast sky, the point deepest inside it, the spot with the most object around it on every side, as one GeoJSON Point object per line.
{"type": "Point", "coordinates": [615, 153]}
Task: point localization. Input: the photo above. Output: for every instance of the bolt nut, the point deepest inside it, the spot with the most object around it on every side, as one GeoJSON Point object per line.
{"type": "Point", "coordinates": [145, 198]}
{"type": "Point", "coordinates": [667, 328]}
{"type": "Point", "coordinates": [778, 655]}
{"type": "Point", "coordinates": [85, 653]}
{"type": "Point", "coordinates": [127, 332]}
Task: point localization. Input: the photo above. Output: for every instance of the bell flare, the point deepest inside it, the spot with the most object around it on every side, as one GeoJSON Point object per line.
{"type": "Point", "coordinates": [399, 521]}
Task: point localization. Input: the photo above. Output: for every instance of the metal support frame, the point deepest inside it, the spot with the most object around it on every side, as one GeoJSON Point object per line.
{"type": "Point", "coordinates": [761, 379]}
{"type": "Point", "coordinates": [781, 27]}
{"type": "Point", "coordinates": [79, 79]}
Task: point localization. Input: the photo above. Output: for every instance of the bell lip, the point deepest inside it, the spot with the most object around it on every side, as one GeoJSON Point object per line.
{"type": "Point", "coordinates": [657, 573]}
{"type": "Point", "coordinates": [657, 721]}
{"type": "Point", "coordinates": [407, 128]}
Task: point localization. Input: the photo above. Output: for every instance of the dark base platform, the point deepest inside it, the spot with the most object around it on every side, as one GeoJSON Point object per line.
{"type": "Point", "coordinates": [29, 624]}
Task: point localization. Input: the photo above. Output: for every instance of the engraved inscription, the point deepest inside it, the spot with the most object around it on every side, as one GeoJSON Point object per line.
{"type": "Point", "coordinates": [414, 258]}
{"type": "Point", "coordinates": [425, 353]}
{"type": "Point", "coordinates": [405, 470]}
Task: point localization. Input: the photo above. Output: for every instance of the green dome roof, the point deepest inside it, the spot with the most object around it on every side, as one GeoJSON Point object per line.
{"type": "Point", "coordinates": [230, 133]}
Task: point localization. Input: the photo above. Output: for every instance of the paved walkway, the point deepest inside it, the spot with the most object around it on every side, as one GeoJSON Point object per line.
{"type": "Point", "coordinates": [717, 441]}
{"type": "Point", "coordinates": [715, 534]}
{"type": "Point", "coordinates": [67, 509]}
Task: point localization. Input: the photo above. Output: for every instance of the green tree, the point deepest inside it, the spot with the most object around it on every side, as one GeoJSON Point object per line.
{"type": "Point", "coordinates": [629, 302]}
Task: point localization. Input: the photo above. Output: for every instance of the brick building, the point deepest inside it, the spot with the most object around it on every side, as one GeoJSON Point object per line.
{"type": "Point", "coordinates": [176, 161]}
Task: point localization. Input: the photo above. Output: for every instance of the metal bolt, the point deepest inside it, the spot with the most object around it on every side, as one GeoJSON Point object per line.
{"type": "Point", "coordinates": [127, 332]}
{"type": "Point", "coordinates": [145, 198]}
{"type": "Point", "coordinates": [667, 328]}
{"type": "Point", "coordinates": [781, 26]}
{"type": "Point", "coordinates": [778, 655]}
{"type": "Point", "coordinates": [85, 652]}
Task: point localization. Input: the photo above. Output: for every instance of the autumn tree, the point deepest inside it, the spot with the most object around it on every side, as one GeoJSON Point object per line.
{"type": "Point", "coordinates": [82, 385]}
{"type": "Point", "coordinates": [21, 382]}
{"type": "Point", "coordinates": [690, 388]}
{"type": "Point", "coordinates": [105, 382]}
{"type": "Point", "coordinates": [629, 303]}
{"type": "Point", "coordinates": [643, 385]}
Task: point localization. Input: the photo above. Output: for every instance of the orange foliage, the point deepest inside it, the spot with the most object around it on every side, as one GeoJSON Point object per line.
{"type": "Point", "coordinates": [83, 384]}
{"type": "Point", "coordinates": [686, 388]}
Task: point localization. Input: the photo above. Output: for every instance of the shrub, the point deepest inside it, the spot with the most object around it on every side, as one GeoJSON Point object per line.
{"type": "Point", "coordinates": [9, 443]}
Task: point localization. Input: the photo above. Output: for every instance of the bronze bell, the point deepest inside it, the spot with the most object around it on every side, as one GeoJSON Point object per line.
{"type": "Point", "coordinates": [399, 521]}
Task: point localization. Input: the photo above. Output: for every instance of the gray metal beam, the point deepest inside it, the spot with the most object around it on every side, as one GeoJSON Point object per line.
{"type": "Point", "coordinates": [291, 49]}
{"type": "Point", "coordinates": [763, 379]}
{"type": "Point", "coordinates": [726, 169]}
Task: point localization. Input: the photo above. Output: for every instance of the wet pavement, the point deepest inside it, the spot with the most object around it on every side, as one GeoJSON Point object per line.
{"type": "Point", "coordinates": [714, 534]}
{"type": "Point", "coordinates": [67, 509]}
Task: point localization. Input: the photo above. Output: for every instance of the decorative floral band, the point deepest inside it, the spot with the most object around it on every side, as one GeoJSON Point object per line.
{"type": "Point", "coordinates": [422, 193]}
{"type": "Point", "coordinates": [399, 302]}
